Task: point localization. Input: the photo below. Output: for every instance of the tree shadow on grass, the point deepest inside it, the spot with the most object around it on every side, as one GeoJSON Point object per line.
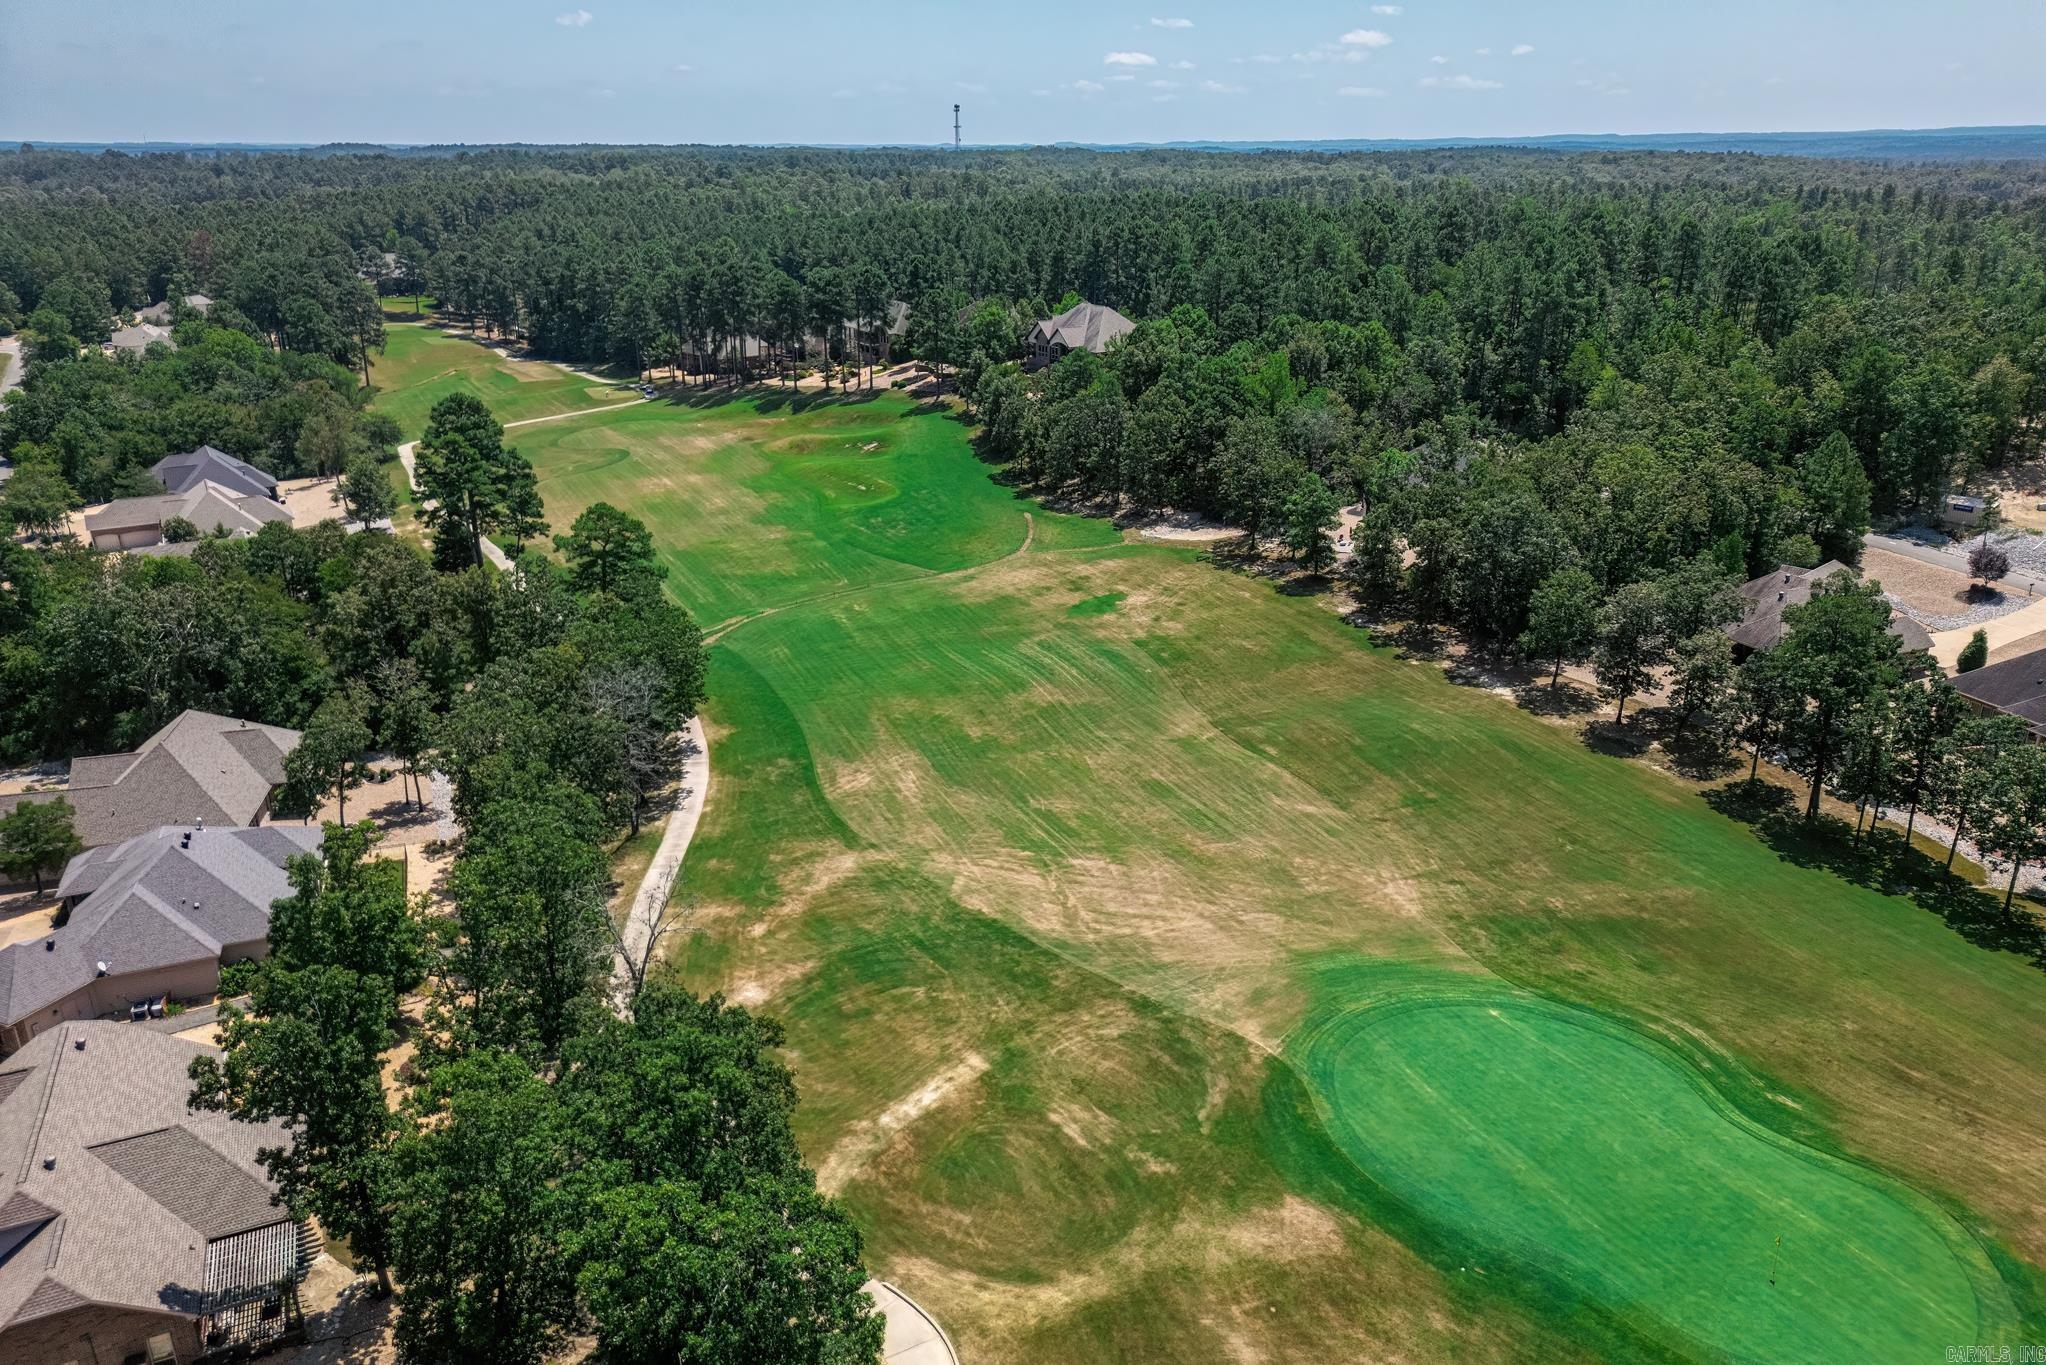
{"type": "Point", "coordinates": [1538, 696]}
{"type": "Point", "coordinates": [1629, 738]}
{"type": "Point", "coordinates": [1701, 756]}
{"type": "Point", "coordinates": [769, 398]}
{"type": "Point", "coordinates": [1882, 863]}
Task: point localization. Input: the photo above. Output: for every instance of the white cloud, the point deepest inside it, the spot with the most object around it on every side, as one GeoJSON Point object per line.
{"type": "Point", "coordinates": [890, 88]}
{"type": "Point", "coordinates": [1484, 52]}
{"type": "Point", "coordinates": [1089, 87]}
{"type": "Point", "coordinates": [970, 87]}
{"type": "Point", "coordinates": [1389, 10]}
{"type": "Point", "coordinates": [1361, 92]}
{"type": "Point", "coordinates": [1224, 88]}
{"type": "Point", "coordinates": [1163, 99]}
{"type": "Point", "coordinates": [1172, 23]}
{"type": "Point", "coordinates": [1125, 76]}
{"type": "Point", "coordinates": [1439, 60]}
{"type": "Point", "coordinates": [1332, 54]}
{"type": "Point", "coordinates": [1265, 59]}
{"type": "Point", "coordinates": [1612, 83]}
{"type": "Point", "coordinates": [1129, 59]}
{"type": "Point", "coordinates": [683, 68]}
{"type": "Point", "coordinates": [1165, 85]}
{"type": "Point", "coordinates": [1366, 37]}
{"type": "Point", "coordinates": [845, 94]}
{"type": "Point", "coordinates": [1182, 66]}
{"type": "Point", "coordinates": [1522, 49]}
{"type": "Point", "coordinates": [1460, 83]}
{"type": "Point", "coordinates": [575, 18]}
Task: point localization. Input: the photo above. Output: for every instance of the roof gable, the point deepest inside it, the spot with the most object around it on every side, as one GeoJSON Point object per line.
{"type": "Point", "coordinates": [197, 1185]}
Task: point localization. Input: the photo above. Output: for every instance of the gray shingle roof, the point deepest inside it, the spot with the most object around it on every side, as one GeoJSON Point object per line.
{"type": "Point", "coordinates": [200, 1186]}
{"type": "Point", "coordinates": [1084, 326]}
{"type": "Point", "coordinates": [200, 768]}
{"type": "Point", "coordinates": [164, 899]}
{"type": "Point", "coordinates": [180, 473]}
{"type": "Point", "coordinates": [1788, 586]}
{"type": "Point", "coordinates": [160, 312]}
{"type": "Point", "coordinates": [140, 337]}
{"type": "Point", "coordinates": [2016, 687]}
{"type": "Point", "coordinates": [136, 1185]}
{"type": "Point", "coordinates": [206, 505]}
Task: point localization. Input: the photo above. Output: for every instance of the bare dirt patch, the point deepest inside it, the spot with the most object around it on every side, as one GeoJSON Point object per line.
{"type": "Point", "coordinates": [1920, 587]}
{"type": "Point", "coordinates": [25, 916]}
{"type": "Point", "coordinates": [871, 1137]}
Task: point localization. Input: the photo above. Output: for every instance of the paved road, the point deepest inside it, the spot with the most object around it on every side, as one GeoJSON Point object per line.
{"type": "Point", "coordinates": [12, 369]}
{"type": "Point", "coordinates": [2026, 583]}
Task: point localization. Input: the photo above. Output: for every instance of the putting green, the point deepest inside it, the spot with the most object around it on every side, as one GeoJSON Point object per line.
{"type": "Point", "coordinates": [1549, 1143]}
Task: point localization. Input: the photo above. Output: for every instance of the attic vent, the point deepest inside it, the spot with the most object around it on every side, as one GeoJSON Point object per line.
{"type": "Point", "coordinates": [49, 945]}
{"type": "Point", "coordinates": [1779, 596]}
{"type": "Point", "coordinates": [49, 1163]}
{"type": "Point", "coordinates": [78, 1044]}
{"type": "Point", "coordinates": [102, 968]}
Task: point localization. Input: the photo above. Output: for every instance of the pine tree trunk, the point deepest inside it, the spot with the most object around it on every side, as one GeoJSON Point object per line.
{"type": "Point", "coordinates": [1959, 824]}
{"type": "Point", "coordinates": [2012, 889]}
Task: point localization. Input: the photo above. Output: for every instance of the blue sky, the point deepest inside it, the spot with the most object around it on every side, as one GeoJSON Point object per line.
{"type": "Point", "coordinates": [693, 71]}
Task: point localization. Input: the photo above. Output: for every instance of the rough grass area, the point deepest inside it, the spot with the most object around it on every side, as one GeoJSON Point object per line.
{"type": "Point", "coordinates": [1110, 900]}
{"type": "Point", "coordinates": [421, 364]}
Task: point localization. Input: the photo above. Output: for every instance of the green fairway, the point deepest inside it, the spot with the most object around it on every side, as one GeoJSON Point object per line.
{"type": "Point", "coordinates": [1112, 901]}
{"type": "Point", "coordinates": [783, 507]}
{"type": "Point", "coordinates": [420, 365]}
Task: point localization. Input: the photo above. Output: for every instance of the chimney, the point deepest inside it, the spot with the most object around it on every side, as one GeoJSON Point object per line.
{"type": "Point", "coordinates": [78, 1044]}
{"type": "Point", "coordinates": [49, 1163]}
{"type": "Point", "coordinates": [49, 945]}
{"type": "Point", "coordinates": [102, 968]}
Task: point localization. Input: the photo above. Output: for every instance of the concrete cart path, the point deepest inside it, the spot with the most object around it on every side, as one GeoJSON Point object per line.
{"type": "Point", "coordinates": [913, 1336]}
{"type": "Point", "coordinates": [659, 882]}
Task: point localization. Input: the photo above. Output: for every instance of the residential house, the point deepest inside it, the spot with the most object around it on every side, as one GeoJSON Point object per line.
{"type": "Point", "coordinates": [133, 1229]}
{"type": "Point", "coordinates": [150, 920]}
{"type": "Point", "coordinates": [139, 338]}
{"type": "Point", "coordinates": [1083, 327]}
{"type": "Point", "coordinates": [160, 313]}
{"type": "Point", "coordinates": [183, 473]}
{"type": "Point", "coordinates": [876, 342]}
{"type": "Point", "coordinates": [198, 769]}
{"type": "Point", "coordinates": [1768, 597]}
{"type": "Point", "coordinates": [131, 523]}
{"type": "Point", "coordinates": [2015, 687]}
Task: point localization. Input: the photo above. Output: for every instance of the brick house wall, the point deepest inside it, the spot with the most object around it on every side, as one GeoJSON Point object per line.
{"type": "Point", "coordinates": [95, 1335]}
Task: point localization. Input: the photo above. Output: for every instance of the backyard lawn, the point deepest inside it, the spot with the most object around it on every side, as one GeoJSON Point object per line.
{"type": "Point", "coordinates": [1171, 973]}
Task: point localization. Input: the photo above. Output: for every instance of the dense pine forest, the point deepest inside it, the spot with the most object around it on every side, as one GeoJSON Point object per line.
{"type": "Point", "coordinates": [1518, 358]}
